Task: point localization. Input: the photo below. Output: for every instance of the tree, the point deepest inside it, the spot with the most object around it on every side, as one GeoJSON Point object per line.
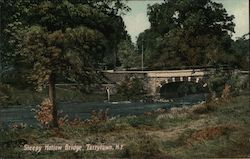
{"type": "Point", "coordinates": [53, 54]}
{"type": "Point", "coordinates": [67, 38]}
{"type": "Point", "coordinates": [241, 52]}
{"type": "Point", "coordinates": [104, 16]}
{"type": "Point", "coordinates": [189, 33]}
{"type": "Point", "coordinates": [10, 62]}
{"type": "Point", "coordinates": [149, 39]}
{"type": "Point", "coordinates": [127, 54]}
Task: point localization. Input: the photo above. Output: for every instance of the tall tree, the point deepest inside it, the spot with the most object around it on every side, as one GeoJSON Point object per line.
{"type": "Point", "coordinates": [190, 32]}
{"type": "Point", "coordinates": [127, 54]}
{"type": "Point", "coordinates": [68, 38]}
{"type": "Point", "coordinates": [61, 14]}
{"type": "Point", "coordinates": [149, 40]}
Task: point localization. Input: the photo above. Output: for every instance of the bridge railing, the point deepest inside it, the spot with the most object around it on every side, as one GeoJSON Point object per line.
{"type": "Point", "coordinates": [179, 68]}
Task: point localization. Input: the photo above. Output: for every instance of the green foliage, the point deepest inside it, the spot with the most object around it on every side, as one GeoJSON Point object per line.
{"type": "Point", "coordinates": [236, 81]}
{"type": "Point", "coordinates": [10, 95]}
{"type": "Point", "coordinates": [216, 83]}
{"type": "Point", "coordinates": [64, 38]}
{"type": "Point", "coordinates": [127, 54]}
{"type": "Point", "coordinates": [95, 18]}
{"type": "Point", "coordinates": [188, 33]}
{"type": "Point", "coordinates": [61, 53]}
{"type": "Point", "coordinates": [131, 88]}
{"type": "Point", "coordinates": [241, 51]}
{"type": "Point", "coordinates": [150, 39]}
{"type": "Point", "coordinates": [12, 65]}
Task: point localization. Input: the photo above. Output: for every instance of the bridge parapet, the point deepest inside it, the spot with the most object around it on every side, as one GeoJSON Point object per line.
{"type": "Point", "coordinates": [183, 73]}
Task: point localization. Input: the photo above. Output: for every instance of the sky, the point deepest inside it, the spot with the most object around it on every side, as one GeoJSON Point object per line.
{"type": "Point", "coordinates": [136, 20]}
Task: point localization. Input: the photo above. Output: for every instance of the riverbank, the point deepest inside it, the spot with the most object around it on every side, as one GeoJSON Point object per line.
{"type": "Point", "coordinates": [218, 129]}
{"type": "Point", "coordinates": [11, 96]}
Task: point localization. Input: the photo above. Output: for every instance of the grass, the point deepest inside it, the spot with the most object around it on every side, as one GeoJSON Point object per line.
{"type": "Point", "coordinates": [14, 96]}
{"type": "Point", "coordinates": [223, 131]}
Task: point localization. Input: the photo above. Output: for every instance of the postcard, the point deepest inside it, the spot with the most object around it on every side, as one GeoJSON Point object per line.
{"type": "Point", "coordinates": [141, 79]}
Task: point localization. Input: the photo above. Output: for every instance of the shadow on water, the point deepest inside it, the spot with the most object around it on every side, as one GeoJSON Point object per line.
{"type": "Point", "coordinates": [181, 89]}
{"type": "Point", "coordinates": [24, 114]}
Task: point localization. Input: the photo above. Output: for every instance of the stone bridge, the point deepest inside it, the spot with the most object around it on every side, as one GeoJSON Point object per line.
{"type": "Point", "coordinates": [154, 80]}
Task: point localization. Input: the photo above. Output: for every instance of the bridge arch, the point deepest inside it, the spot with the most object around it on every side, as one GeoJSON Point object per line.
{"type": "Point", "coordinates": [171, 83]}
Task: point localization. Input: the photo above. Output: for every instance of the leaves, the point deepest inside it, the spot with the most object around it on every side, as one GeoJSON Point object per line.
{"type": "Point", "coordinates": [44, 113]}
{"type": "Point", "coordinates": [60, 35]}
{"type": "Point", "coordinates": [131, 88]}
{"type": "Point", "coordinates": [188, 33]}
{"type": "Point", "coordinates": [241, 51]}
{"type": "Point", "coordinates": [127, 54]}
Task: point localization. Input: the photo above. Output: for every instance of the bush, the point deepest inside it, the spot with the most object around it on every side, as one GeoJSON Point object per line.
{"type": "Point", "coordinates": [44, 113]}
{"type": "Point", "coordinates": [223, 84]}
{"type": "Point", "coordinates": [238, 83]}
{"type": "Point", "coordinates": [216, 83]}
{"type": "Point", "coordinates": [131, 88]}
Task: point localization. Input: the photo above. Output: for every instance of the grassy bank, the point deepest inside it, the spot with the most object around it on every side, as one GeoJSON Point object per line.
{"type": "Point", "coordinates": [13, 96]}
{"type": "Point", "coordinates": [218, 129]}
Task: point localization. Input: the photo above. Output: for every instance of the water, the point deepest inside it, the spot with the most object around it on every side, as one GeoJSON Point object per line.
{"type": "Point", "coordinates": [24, 114]}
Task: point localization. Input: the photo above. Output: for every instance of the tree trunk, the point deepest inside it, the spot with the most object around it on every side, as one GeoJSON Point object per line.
{"type": "Point", "coordinates": [52, 97]}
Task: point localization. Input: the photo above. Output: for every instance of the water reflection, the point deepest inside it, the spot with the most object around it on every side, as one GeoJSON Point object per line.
{"type": "Point", "coordinates": [23, 114]}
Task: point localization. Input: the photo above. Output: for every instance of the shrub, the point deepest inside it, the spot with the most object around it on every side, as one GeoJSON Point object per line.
{"type": "Point", "coordinates": [216, 83]}
{"type": "Point", "coordinates": [131, 88]}
{"type": "Point", "coordinates": [238, 83]}
{"type": "Point", "coordinates": [44, 113]}
{"type": "Point", "coordinates": [97, 117]}
{"type": "Point", "coordinates": [223, 84]}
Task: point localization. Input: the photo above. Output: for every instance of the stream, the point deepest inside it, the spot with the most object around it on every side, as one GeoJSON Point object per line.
{"type": "Point", "coordinates": [23, 114]}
